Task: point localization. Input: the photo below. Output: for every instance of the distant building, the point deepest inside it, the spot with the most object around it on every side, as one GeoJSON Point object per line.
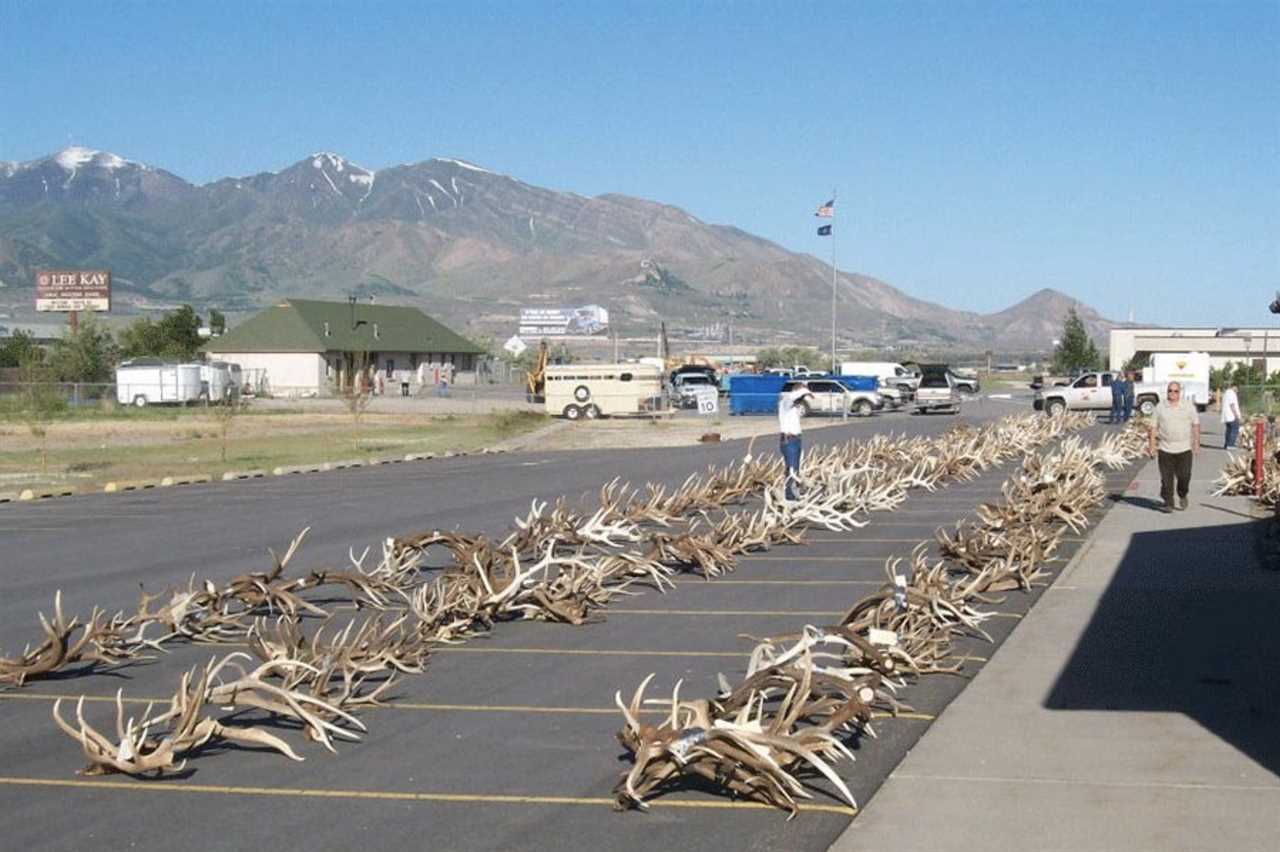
{"type": "Point", "coordinates": [304, 347]}
{"type": "Point", "coordinates": [1260, 346]}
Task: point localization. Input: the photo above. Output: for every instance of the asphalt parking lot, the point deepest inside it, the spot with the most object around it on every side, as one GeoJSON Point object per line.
{"type": "Point", "coordinates": [505, 742]}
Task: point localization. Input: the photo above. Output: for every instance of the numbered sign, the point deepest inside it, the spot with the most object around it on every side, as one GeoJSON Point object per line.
{"type": "Point", "coordinates": [708, 401]}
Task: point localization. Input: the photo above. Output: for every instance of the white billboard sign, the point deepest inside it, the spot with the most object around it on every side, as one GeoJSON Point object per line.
{"type": "Point", "coordinates": [558, 322]}
{"type": "Point", "coordinates": [73, 290]}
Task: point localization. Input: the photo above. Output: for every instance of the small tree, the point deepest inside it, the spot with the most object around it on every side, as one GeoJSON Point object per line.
{"type": "Point", "coordinates": [217, 322]}
{"type": "Point", "coordinates": [86, 355]}
{"type": "Point", "coordinates": [1140, 360]}
{"type": "Point", "coordinates": [41, 403]}
{"type": "Point", "coordinates": [1075, 350]}
{"type": "Point", "coordinates": [225, 414]}
{"type": "Point", "coordinates": [355, 389]}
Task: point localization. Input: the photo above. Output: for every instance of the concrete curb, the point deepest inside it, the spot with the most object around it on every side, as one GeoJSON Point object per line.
{"type": "Point", "coordinates": [45, 493]}
{"type": "Point", "coordinates": [189, 479]}
{"type": "Point", "coordinates": [243, 474]}
{"type": "Point", "coordinates": [118, 486]}
{"type": "Point", "coordinates": [134, 485]}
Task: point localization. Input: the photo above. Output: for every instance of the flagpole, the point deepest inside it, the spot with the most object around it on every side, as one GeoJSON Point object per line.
{"type": "Point", "coordinates": [834, 368]}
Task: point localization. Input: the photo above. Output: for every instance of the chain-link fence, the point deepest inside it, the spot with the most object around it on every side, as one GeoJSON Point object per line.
{"type": "Point", "coordinates": [18, 396]}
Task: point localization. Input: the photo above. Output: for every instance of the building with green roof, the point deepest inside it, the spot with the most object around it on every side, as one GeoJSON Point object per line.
{"type": "Point", "coordinates": [307, 347]}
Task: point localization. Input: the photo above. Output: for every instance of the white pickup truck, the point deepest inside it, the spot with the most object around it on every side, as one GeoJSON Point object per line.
{"type": "Point", "coordinates": [1092, 392]}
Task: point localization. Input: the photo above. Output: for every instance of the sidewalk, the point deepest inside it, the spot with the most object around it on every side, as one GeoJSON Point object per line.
{"type": "Point", "coordinates": [1136, 708]}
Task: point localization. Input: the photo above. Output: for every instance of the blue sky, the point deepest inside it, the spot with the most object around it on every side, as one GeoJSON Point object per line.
{"type": "Point", "coordinates": [1125, 153]}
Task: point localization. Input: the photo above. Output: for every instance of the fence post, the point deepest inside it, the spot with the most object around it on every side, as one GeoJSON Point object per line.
{"type": "Point", "coordinates": [1259, 437]}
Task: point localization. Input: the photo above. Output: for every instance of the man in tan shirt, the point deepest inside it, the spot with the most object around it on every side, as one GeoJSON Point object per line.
{"type": "Point", "coordinates": [1175, 439]}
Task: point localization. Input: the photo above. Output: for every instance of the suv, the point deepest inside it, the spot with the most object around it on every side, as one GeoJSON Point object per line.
{"type": "Point", "coordinates": [937, 390]}
{"type": "Point", "coordinates": [964, 384]}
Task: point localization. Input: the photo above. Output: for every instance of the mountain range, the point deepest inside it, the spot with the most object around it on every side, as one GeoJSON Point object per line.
{"type": "Point", "coordinates": [469, 245]}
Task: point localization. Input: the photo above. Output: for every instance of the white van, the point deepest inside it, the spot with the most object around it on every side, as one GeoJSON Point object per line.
{"type": "Point", "coordinates": [600, 390]}
{"type": "Point", "coordinates": [890, 373]}
{"type": "Point", "coordinates": [148, 381]}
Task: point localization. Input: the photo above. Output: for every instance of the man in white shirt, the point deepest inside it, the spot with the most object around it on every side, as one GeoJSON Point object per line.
{"type": "Point", "coordinates": [791, 407]}
{"type": "Point", "coordinates": [1231, 416]}
{"type": "Point", "coordinates": [1175, 439]}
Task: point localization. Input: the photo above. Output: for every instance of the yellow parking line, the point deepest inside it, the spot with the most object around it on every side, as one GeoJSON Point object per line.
{"type": "Point", "coordinates": [35, 529]}
{"type": "Point", "coordinates": [424, 706]}
{"type": "Point", "coordinates": [586, 652]}
{"type": "Point", "coordinates": [786, 583]}
{"type": "Point", "coordinates": [800, 558]}
{"type": "Point", "coordinates": [395, 795]}
{"type": "Point", "coordinates": [770, 612]}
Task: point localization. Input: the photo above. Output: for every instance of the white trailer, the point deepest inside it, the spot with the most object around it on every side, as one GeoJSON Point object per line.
{"type": "Point", "coordinates": [147, 382]}
{"type": "Point", "coordinates": [601, 390]}
{"type": "Point", "coordinates": [221, 379]}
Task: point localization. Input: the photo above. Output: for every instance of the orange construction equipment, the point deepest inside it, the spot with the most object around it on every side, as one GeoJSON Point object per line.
{"type": "Point", "coordinates": [536, 379]}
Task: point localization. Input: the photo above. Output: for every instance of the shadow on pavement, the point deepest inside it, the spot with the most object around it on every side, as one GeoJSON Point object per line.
{"type": "Point", "coordinates": [1189, 624]}
{"type": "Point", "coordinates": [1140, 502]}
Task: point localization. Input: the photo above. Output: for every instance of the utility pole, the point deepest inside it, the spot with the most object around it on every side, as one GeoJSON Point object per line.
{"type": "Point", "coordinates": [833, 283]}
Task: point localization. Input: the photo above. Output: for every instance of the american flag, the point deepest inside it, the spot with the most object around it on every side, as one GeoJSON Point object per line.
{"type": "Point", "coordinates": [828, 210]}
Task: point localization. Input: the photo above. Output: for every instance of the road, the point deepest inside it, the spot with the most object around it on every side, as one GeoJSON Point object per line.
{"type": "Point", "coordinates": [506, 742]}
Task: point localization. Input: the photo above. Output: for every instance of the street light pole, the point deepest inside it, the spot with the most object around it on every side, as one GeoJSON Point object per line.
{"type": "Point", "coordinates": [833, 284]}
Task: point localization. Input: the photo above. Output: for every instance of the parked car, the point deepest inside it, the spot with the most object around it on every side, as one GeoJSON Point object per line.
{"type": "Point", "coordinates": [832, 397]}
{"type": "Point", "coordinates": [937, 391]}
{"type": "Point", "coordinates": [1092, 392]}
{"type": "Point", "coordinates": [688, 385]}
{"type": "Point", "coordinates": [890, 372]}
{"type": "Point", "coordinates": [964, 383]}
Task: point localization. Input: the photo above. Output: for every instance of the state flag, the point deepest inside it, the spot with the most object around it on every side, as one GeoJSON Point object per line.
{"type": "Point", "coordinates": [827, 211]}
{"type": "Point", "coordinates": [824, 231]}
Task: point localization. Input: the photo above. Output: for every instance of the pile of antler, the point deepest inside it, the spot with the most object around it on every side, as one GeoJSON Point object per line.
{"type": "Point", "coordinates": [556, 564]}
{"type": "Point", "coordinates": [804, 695]}
{"type": "Point", "coordinates": [1237, 475]}
{"type": "Point", "coordinates": [187, 725]}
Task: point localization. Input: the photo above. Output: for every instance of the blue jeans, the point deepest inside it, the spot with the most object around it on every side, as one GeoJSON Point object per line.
{"type": "Point", "coordinates": [1128, 409]}
{"type": "Point", "coordinates": [1117, 408]}
{"type": "Point", "coordinates": [1233, 434]}
{"type": "Point", "coordinates": [789, 446]}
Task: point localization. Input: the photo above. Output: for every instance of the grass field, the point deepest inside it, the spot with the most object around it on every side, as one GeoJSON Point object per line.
{"type": "Point", "coordinates": [94, 448]}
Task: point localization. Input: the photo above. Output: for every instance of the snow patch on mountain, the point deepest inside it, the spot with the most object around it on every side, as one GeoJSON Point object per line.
{"type": "Point", "coordinates": [74, 157]}
{"type": "Point", "coordinates": [322, 158]}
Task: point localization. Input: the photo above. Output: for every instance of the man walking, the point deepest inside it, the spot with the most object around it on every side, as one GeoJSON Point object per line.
{"type": "Point", "coordinates": [1117, 397]}
{"type": "Point", "coordinates": [1231, 416]}
{"type": "Point", "coordinates": [791, 407]}
{"type": "Point", "coordinates": [1175, 438]}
